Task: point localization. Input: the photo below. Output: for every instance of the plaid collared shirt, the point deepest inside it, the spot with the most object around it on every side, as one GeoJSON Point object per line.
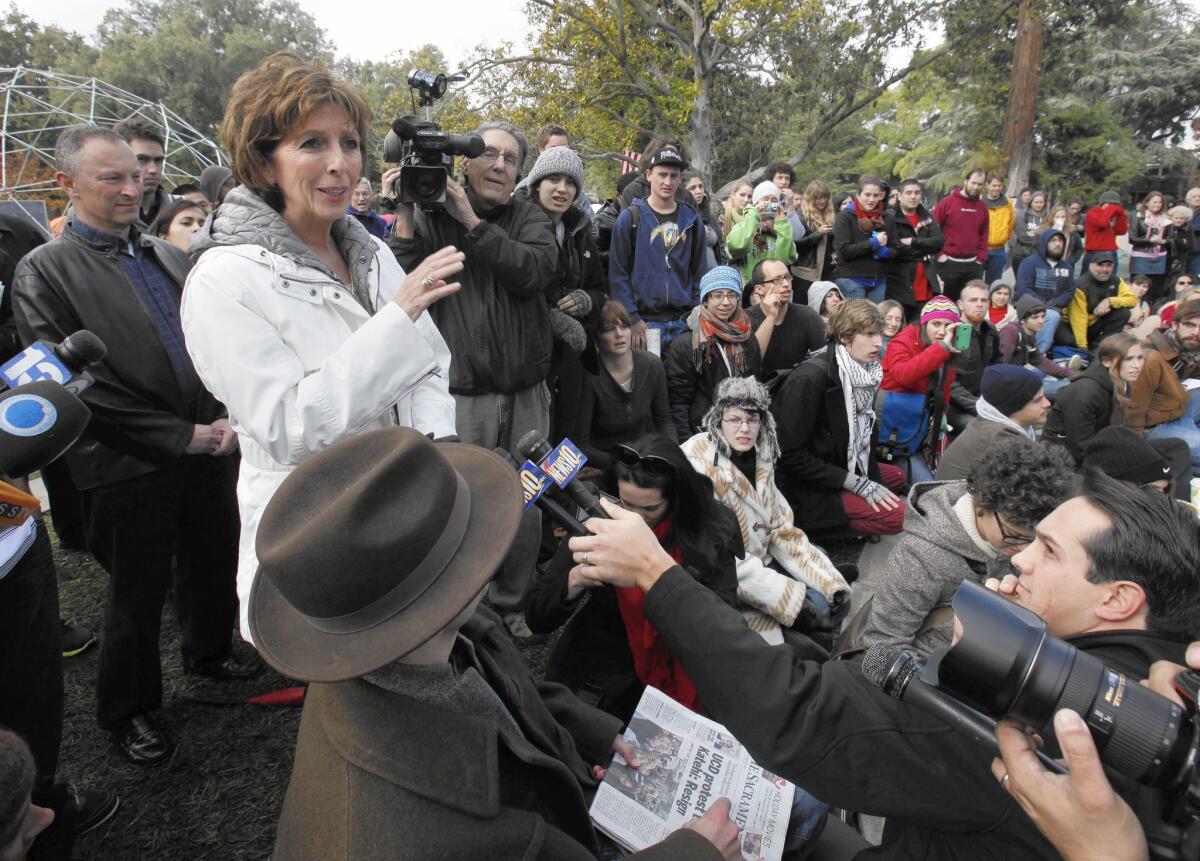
{"type": "Point", "coordinates": [156, 291]}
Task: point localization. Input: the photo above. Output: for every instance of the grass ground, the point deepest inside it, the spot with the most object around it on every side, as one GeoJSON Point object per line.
{"type": "Point", "coordinates": [220, 796]}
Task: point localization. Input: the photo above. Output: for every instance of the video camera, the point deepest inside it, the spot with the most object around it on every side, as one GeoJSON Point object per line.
{"type": "Point", "coordinates": [425, 152]}
{"type": "Point", "coordinates": [1006, 666]}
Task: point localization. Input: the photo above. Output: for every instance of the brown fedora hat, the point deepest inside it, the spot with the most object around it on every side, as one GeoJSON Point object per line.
{"type": "Point", "coordinates": [373, 546]}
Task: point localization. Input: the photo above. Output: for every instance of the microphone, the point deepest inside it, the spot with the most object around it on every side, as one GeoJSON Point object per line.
{"type": "Point", "coordinates": [898, 674]}
{"type": "Point", "coordinates": [38, 422]}
{"type": "Point", "coordinates": [562, 463]}
{"type": "Point", "coordinates": [64, 363]}
{"type": "Point", "coordinates": [534, 483]}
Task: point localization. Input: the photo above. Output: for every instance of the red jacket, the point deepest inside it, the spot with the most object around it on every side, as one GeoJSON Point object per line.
{"type": "Point", "coordinates": [964, 223]}
{"type": "Point", "coordinates": [1102, 225]}
{"type": "Point", "coordinates": [908, 364]}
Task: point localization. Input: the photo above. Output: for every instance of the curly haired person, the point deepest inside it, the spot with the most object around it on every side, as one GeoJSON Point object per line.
{"type": "Point", "coordinates": [959, 530]}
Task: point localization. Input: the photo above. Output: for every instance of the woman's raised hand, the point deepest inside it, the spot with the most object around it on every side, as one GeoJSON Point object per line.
{"type": "Point", "coordinates": [427, 283]}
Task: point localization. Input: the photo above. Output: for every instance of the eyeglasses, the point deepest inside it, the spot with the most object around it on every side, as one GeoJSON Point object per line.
{"type": "Point", "coordinates": [781, 281]}
{"type": "Point", "coordinates": [489, 156]}
{"type": "Point", "coordinates": [1009, 539]}
{"type": "Point", "coordinates": [654, 464]}
{"type": "Point", "coordinates": [734, 422]}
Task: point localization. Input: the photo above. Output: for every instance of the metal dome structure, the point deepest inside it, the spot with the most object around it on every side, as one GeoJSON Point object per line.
{"type": "Point", "coordinates": [38, 104]}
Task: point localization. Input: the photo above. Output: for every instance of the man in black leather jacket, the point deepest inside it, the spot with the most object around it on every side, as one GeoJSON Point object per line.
{"type": "Point", "coordinates": [155, 464]}
{"type": "Point", "coordinates": [1112, 571]}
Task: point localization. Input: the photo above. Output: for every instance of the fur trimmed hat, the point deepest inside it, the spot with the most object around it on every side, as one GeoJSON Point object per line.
{"type": "Point", "coordinates": [743, 393]}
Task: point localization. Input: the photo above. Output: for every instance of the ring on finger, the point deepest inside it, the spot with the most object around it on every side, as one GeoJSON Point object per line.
{"type": "Point", "coordinates": [1004, 782]}
{"type": "Point", "coordinates": [427, 281]}
{"type": "Point", "coordinates": [584, 561]}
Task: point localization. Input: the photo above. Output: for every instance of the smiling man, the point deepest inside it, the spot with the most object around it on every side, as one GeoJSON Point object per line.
{"type": "Point", "coordinates": [498, 325]}
{"type": "Point", "coordinates": [154, 465]}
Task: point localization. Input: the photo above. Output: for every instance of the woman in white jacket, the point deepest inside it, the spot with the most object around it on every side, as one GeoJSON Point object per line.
{"type": "Point", "coordinates": [781, 571]}
{"type": "Point", "coordinates": [296, 318]}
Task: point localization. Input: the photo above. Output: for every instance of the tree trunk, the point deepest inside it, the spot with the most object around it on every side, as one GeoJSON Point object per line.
{"type": "Point", "coordinates": [1017, 145]}
{"type": "Point", "coordinates": [701, 129]}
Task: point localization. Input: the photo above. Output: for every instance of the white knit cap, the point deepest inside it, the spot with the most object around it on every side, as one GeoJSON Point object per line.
{"type": "Point", "coordinates": [763, 189]}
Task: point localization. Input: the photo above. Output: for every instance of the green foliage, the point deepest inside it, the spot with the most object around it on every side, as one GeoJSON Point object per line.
{"type": "Point", "coordinates": [1083, 150]}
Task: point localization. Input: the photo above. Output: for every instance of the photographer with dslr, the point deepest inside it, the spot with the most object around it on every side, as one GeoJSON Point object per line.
{"type": "Point", "coordinates": [1112, 569]}
{"type": "Point", "coordinates": [498, 325]}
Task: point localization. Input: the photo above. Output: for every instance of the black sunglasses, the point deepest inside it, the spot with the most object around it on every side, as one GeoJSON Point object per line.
{"type": "Point", "coordinates": [652, 463]}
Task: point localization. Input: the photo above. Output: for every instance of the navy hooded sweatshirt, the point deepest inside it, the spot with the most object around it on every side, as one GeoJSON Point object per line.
{"type": "Point", "coordinates": [659, 279]}
{"type": "Point", "coordinates": [1050, 282]}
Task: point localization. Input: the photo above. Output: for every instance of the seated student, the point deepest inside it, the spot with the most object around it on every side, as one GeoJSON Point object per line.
{"type": "Point", "coordinates": [893, 322]}
{"type": "Point", "coordinates": [1120, 453]}
{"type": "Point", "coordinates": [1102, 303]}
{"type": "Point", "coordinates": [794, 332]}
{"type": "Point", "coordinates": [423, 734]}
{"type": "Point", "coordinates": [608, 650]}
{"type": "Point", "coordinates": [823, 297]}
{"type": "Point", "coordinates": [721, 344]}
{"type": "Point", "coordinates": [1000, 308]}
{"type": "Point", "coordinates": [1112, 571]}
{"type": "Point", "coordinates": [1050, 279]}
{"type": "Point", "coordinates": [21, 821]}
{"type": "Point", "coordinates": [627, 395]}
{"type": "Point", "coordinates": [1011, 403]}
{"type": "Point", "coordinates": [737, 452]}
{"type": "Point", "coordinates": [1087, 404]}
{"type": "Point", "coordinates": [919, 361]}
{"type": "Point", "coordinates": [825, 413]}
{"type": "Point", "coordinates": [982, 352]}
{"type": "Point", "coordinates": [1019, 346]}
{"type": "Point", "coordinates": [1139, 286]}
{"type": "Point", "coordinates": [963, 530]}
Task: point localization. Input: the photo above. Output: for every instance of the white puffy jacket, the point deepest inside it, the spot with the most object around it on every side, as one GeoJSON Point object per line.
{"type": "Point", "coordinates": [300, 365]}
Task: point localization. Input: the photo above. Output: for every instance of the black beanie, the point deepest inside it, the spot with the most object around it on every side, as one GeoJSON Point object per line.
{"type": "Point", "coordinates": [1009, 387]}
{"type": "Point", "coordinates": [1121, 453]}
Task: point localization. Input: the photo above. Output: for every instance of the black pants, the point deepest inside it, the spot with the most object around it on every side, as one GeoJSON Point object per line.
{"type": "Point", "coordinates": [31, 681]}
{"type": "Point", "coordinates": [1110, 324]}
{"type": "Point", "coordinates": [955, 275]}
{"type": "Point", "coordinates": [66, 505]}
{"type": "Point", "coordinates": [186, 514]}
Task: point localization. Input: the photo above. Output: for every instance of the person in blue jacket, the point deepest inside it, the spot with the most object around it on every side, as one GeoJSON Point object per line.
{"type": "Point", "coordinates": [1049, 279]}
{"type": "Point", "coordinates": [657, 254]}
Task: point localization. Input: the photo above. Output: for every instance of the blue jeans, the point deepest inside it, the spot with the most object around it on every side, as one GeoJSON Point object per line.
{"type": "Point", "coordinates": [1050, 384]}
{"type": "Point", "coordinates": [807, 822]}
{"type": "Point", "coordinates": [1045, 338]}
{"type": "Point", "coordinates": [993, 267]}
{"type": "Point", "coordinates": [669, 330]}
{"type": "Point", "coordinates": [851, 289]}
{"type": "Point", "coordinates": [1186, 428]}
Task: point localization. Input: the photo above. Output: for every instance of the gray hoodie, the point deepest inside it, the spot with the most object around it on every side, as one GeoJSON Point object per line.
{"type": "Point", "coordinates": [817, 291]}
{"type": "Point", "coordinates": [938, 550]}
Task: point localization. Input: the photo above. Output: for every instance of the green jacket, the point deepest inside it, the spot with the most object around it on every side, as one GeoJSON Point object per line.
{"type": "Point", "coordinates": [745, 254]}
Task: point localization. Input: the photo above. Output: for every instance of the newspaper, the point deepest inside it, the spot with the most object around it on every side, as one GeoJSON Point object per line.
{"type": "Point", "coordinates": [687, 762]}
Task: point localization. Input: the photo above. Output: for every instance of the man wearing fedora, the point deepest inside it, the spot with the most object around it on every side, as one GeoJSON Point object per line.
{"type": "Point", "coordinates": [423, 735]}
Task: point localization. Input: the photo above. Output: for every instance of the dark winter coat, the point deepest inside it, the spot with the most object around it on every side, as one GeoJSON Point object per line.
{"type": "Point", "coordinates": [1050, 282]}
{"type": "Point", "coordinates": [380, 775]}
{"type": "Point", "coordinates": [901, 266]}
{"type": "Point", "coordinates": [497, 325]}
{"type": "Point", "coordinates": [1081, 409]}
{"type": "Point", "coordinates": [859, 254]}
{"type": "Point", "coordinates": [969, 365]}
{"type": "Point", "coordinates": [831, 731]}
{"type": "Point", "coordinates": [691, 387]}
{"type": "Point", "coordinates": [609, 415]}
{"type": "Point", "coordinates": [814, 433]}
{"type": "Point", "coordinates": [814, 252]}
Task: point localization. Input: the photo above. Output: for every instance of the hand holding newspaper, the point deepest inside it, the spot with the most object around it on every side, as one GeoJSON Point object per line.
{"type": "Point", "coordinates": [687, 762]}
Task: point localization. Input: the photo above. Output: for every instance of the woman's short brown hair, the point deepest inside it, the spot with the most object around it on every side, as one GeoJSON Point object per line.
{"type": "Point", "coordinates": [269, 102]}
{"type": "Point", "coordinates": [613, 313]}
{"type": "Point", "coordinates": [854, 317]}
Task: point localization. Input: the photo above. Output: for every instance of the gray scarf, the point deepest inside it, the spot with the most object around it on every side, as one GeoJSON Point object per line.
{"type": "Point", "coordinates": [246, 219]}
{"type": "Point", "coordinates": [859, 385]}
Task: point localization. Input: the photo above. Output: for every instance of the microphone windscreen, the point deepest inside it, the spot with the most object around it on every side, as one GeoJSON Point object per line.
{"type": "Point", "coordinates": [877, 663]}
{"type": "Point", "coordinates": [82, 349]}
{"type": "Point", "coordinates": [38, 422]}
{"type": "Point", "coordinates": [533, 446]}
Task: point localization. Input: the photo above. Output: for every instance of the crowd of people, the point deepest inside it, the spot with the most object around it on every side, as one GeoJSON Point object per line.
{"type": "Point", "coordinates": [292, 431]}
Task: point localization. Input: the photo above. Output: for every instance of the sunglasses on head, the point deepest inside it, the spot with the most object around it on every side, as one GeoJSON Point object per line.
{"type": "Point", "coordinates": [654, 464]}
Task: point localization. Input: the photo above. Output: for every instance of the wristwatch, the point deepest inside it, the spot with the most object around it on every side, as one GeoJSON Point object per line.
{"type": "Point", "coordinates": [386, 203]}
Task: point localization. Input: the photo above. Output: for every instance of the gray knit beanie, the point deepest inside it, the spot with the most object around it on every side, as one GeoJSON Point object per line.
{"type": "Point", "coordinates": [743, 393]}
{"type": "Point", "coordinates": [557, 159]}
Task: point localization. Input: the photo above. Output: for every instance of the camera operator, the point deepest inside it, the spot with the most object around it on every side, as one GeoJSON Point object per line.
{"type": "Point", "coordinates": [498, 325]}
{"type": "Point", "coordinates": [1111, 570]}
{"type": "Point", "coordinates": [1079, 813]}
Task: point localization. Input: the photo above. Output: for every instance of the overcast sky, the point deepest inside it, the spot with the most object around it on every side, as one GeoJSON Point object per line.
{"type": "Point", "coordinates": [363, 29]}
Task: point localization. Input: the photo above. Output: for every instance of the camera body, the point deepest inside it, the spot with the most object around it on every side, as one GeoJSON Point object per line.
{"type": "Point", "coordinates": [426, 155]}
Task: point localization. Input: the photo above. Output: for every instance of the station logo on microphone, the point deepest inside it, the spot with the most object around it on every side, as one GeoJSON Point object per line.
{"type": "Point", "coordinates": [533, 482]}
{"type": "Point", "coordinates": [27, 415]}
{"type": "Point", "coordinates": [563, 462]}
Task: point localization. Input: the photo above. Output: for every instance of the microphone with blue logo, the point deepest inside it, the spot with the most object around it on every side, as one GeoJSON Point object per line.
{"type": "Point", "coordinates": [38, 422]}
{"type": "Point", "coordinates": [65, 363]}
{"type": "Point", "coordinates": [561, 464]}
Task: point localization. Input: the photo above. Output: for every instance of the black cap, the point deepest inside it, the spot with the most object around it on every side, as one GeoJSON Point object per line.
{"type": "Point", "coordinates": [668, 155]}
{"type": "Point", "coordinates": [1121, 453]}
{"type": "Point", "coordinates": [1103, 256]}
